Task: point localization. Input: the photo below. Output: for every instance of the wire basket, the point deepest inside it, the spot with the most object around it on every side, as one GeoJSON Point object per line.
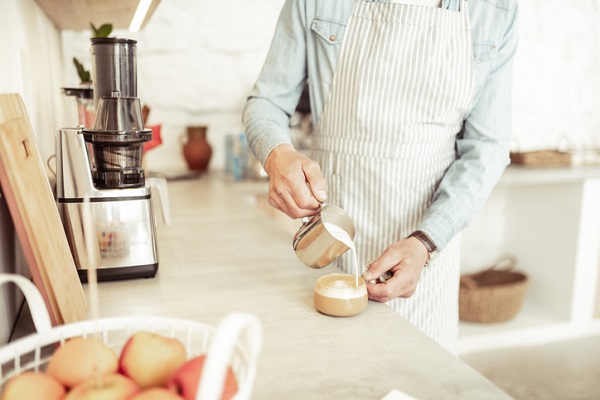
{"type": "Point", "coordinates": [493, 295]}
{"type": "Point", "coordinates": [235, 343]}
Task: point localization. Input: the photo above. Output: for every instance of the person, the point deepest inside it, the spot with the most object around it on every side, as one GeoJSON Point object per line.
{"type": "Point", "coordinates": [411, 102]}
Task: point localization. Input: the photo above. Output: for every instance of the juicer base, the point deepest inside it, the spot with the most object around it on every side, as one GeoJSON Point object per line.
{"type": "Point", "coordinates": [121, 273]}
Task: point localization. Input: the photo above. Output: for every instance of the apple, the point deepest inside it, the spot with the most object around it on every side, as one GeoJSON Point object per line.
{"type": "Point", "coordinates": [79, 358]}
{"type": "Point", "coordinates": [112, 387]}
{"type": "Point", "coordinates": [33, 386]}
{"type": "Point", "coordinates": [157, 393]}
{"type": "Point", "coordinates": [185, 380]}
{"type": "Point", "coordinates": [150, 359]}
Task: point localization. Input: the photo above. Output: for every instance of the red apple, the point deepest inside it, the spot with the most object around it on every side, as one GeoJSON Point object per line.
{"type": "Point", "coordinates": [185, 380]}
{"type": "Point", "coordinates": [112, 387]}
{"type": "Point", "coordinates": [79, 358]}
{"type": "Point", "coordinates": [150, 359]}
{"type": "Point", "coordinates": [33, 386]}
{"type": "Point", "coordinates": [157, 393]}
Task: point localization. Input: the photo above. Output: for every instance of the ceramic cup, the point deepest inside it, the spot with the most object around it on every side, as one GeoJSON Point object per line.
{"type": "Point", "coordinates": [338, 295]}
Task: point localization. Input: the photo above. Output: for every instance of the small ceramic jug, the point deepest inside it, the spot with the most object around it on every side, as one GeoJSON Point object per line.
{"type": "Point", "coordinates": [196, 149]}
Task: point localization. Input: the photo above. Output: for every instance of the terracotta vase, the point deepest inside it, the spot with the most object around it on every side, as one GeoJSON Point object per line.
{"type": "Point", "coordinates": [196, 149]}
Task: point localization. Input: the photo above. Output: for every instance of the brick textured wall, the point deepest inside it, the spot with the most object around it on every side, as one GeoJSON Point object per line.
{"type": "Point", "coordinates": [557, 75]}
{"type": "Point", "coordinates": [197, 60]}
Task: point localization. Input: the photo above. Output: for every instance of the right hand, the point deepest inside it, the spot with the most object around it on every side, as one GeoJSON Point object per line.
{"type": "Point", "coordinates": [296, 185]}
{"type": "Point", "coordinates": [405, 259]}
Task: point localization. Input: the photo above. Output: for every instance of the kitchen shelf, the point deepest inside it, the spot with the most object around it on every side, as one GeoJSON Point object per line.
{"type": "Point", "coordinates": [549, 220]}
{"type": "Point", "coordinates": [77, 14]}
{"type": "Point", "coordinates": [534, 325]}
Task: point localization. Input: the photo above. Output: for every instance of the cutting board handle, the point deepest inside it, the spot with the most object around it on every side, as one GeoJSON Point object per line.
{"type": "Point", "coordinates": [41, 319]}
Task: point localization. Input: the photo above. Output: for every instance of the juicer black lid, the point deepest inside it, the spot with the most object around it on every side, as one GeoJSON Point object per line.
{"type": "Point", "coordinates": [116, 137]}
{"type": "Point", "coordinates": [103, 40]}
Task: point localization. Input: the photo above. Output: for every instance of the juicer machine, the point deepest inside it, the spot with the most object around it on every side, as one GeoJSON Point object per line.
{"type": "Point", "coordinates": [99, 172]}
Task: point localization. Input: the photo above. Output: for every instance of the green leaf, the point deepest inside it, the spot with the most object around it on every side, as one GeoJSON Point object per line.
{"type": "Point", "coordinates": [84, 75]}
{"type": "Point", "coordinates": [93, 29]}
{"type": "Point", "coordinates": [103, 31]}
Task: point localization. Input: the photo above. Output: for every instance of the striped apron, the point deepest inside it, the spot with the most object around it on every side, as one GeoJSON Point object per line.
{"type": "Point", "coordinates": [400, 92]}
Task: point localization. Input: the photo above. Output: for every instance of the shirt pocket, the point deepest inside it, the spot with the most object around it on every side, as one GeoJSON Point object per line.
{"type": "Point", "coordinates": [329, 31]}
{"type": "Point", "coordinates": [483, 54]}
{"type": "Point", "coordinates": [483, 51]}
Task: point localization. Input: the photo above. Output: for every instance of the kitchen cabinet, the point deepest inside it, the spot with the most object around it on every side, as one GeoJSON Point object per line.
{"type": "Point", "coordinates": [550, 220]}
{"type": "Point", "coordinates": [77, 14]}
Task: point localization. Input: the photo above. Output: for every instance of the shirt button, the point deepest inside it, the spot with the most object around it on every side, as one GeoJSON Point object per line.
{"type": "Point", "coordinates": [332, 38]}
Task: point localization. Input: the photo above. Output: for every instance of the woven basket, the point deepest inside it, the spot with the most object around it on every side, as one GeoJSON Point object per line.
{"type": "Point", "coordinates": [541, 158]}
{"type": "Point", "coordinates": [493, 295]}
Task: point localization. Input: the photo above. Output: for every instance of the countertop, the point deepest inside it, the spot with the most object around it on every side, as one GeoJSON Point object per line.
{"type": "Point", "coordinates": [223, 254]}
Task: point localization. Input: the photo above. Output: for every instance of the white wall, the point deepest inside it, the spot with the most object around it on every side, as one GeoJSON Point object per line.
{"type": "Point", "coordinates": [31, 65]}
{"type": "Point", "coordinates": [198, 59]}
{"type": "Point", "coordinates": [31, 55]}
{"type": "Point", "coordinates": [557, 75]}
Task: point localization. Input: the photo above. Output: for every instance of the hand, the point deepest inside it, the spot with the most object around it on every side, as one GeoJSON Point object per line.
{"type": "Point", "coordinates": [296, 186]}
{"type": "Point", "coordinates": [405, 259]}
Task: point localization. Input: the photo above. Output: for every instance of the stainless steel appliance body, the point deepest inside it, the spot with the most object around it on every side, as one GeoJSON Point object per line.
{"type": "Point", "coordinates": [315, 245]}
{"type": "Point", "coordinates": [102, 165]}
{"type": "Point", "coordinates": [124, 220]}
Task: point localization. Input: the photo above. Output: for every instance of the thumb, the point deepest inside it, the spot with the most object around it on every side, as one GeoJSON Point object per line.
{"type": "Point", "coordinates": [374, 270]}
{"type": "Point", "coordinates": [316, 182]}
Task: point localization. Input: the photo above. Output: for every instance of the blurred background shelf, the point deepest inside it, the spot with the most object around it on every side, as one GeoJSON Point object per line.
{"type": "Point", "coordinates": [549, 220]}
{"type": "Point", "coordinates": [534, 325]}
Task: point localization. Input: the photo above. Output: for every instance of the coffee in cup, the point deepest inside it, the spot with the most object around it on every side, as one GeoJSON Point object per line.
{"type": "Point", "coordinates": [338, 295]}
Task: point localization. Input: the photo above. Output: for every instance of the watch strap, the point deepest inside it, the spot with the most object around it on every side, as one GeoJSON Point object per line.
{"type": "Point", "coordinates": [427, 242]}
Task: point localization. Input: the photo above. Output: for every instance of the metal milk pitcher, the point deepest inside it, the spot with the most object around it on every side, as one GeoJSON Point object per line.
{"type": "Point", "coordinates": [315, 245]}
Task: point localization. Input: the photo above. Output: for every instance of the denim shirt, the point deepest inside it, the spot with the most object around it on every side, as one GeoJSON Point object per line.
{"type": "Point", "coordinates": [306, 45]}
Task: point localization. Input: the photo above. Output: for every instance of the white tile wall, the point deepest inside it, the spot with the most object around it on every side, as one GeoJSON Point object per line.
{"type": "Point", "coordinates": [197, 60]}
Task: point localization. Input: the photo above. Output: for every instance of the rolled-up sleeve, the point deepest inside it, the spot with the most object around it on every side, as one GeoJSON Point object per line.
{"type": "Point", "coordinates": [482, 148]}
{"type": "Point", "coordinates": [276, 93]}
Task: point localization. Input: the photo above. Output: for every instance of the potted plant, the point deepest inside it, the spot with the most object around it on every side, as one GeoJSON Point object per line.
{"type": "Point", "coordinates": [84, 75]}
{"type": "Point", "coordinates": [84, 94]}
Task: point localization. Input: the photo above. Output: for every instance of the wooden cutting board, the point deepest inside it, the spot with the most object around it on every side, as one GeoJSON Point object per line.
{"type": "Point", "coordinates": [35, 215]}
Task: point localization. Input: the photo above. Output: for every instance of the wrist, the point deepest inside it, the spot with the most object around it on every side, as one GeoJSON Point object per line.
{"type": "Point", "coordinates": [427, 242]}
{"type": "Point", "coordinates": [274, 153]}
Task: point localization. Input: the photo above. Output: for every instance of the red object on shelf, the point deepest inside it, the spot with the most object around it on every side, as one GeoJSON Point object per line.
{"type": "Point", "coordinates": [156, 138]}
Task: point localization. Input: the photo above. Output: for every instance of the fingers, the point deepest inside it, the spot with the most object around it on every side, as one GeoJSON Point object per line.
{"type": "Point", "coordinates": [401, 284]}
{"type": "Point", "coordinates": [384, 263]}
{"type": "Point", "coordinates": [294, 199]}
{"type": "Point", "coordinates": [296, 186]}
{"type": "Point", "coordinates": [404, 260]}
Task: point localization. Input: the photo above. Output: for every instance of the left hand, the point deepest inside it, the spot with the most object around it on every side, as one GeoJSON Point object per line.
{"type": "Point", "coordinates": [405, 259]}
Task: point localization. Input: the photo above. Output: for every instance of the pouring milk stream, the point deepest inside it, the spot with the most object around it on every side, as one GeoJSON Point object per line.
{"type": "Point", "coordinates": [343, 236]}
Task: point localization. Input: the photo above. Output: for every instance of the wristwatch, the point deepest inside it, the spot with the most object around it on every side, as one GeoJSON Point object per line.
{"type": "Point", "coordinates": [428, 243]}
